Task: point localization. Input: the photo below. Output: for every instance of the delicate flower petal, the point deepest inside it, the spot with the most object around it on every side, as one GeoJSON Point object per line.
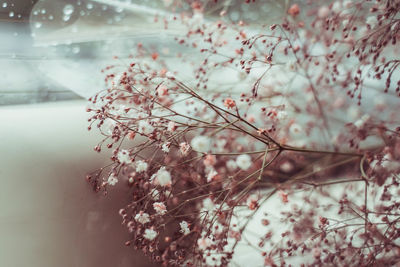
{"type": "Point", "coordinates": [244, 162]}
{"type": "Point", "coordinates": [141, 166]}
{"type": "Point", "coordinates": [184, 228]}
{"type": "Point", "coordinates": [160, 208]}
{"type": "Point", "coordinates": [150, 234]}
{"type": "Point", "coordinates": [112, 180]}
{"type": "Point", "coordinates": [142, 217]}
{"type": "Point", "coordinates": [123, 156]}
{"type": "Point", "coordinates": [201, 143]}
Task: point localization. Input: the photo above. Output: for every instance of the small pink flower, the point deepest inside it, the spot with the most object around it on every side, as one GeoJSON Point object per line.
{"type": "Point", "coordinates": [229, 103]}
{"type": "Point", "coordinates": [252, 202]}
{"type": "Point", "coordinates": [142, 217]}
{"type": "Point", "coordinates": [235, 234]}
{"type": "Point", "coordinates": [211, 174]}
{"type": "Point", "coordinates": [162, 90]}
{"type": "Point", "coordinates": [154, 56]}
{"type": "Point", "coordinates": [268, 261]}
{"type": "Point", "coordinates": [210, 160]}
{"type": "Point", "coordinates": [323, 220]}
{"type": "Point", "coordinates": [131, 135]}
{"type": "Point", "coordinates": [196, 5]}
{"type": "Point", "coordinates": [283, 196]}
{"type": "Point", "coordinates": [294, 10]}
{"type": "Point", "coordinates": [184, 148]}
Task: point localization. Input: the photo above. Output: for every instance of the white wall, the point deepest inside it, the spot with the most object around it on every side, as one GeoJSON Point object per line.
{"type": "Point", "coordinates": [49, 216]}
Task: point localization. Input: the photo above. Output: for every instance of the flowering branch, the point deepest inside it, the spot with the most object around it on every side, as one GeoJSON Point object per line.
{"type": "Point", "coordinates": [202, 160]}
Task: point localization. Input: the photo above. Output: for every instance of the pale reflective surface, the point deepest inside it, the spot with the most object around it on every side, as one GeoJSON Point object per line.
{"type": "Point", "coordinates": [49, 215]}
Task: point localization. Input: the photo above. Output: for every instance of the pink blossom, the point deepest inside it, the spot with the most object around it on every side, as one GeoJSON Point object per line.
{"type": "Point", "coordinates": [184, 148]}
{"type": "Point", "coordinates": [294, 10]}
{"type": "Point", "coordinates": [229, 103]}
{"type": "Point", "coordinates": [283, 196]}
{"type": "Point", "coordinates": [210, 160]}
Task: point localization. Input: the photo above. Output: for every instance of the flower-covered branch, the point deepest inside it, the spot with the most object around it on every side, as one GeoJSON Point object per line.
{"type": "Point", "coordinates": [258, 125]}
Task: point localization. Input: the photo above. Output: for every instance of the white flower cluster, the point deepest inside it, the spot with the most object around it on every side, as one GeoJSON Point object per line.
{"type": "Point", "coordinates": [211, 173]}
{"type": "Point", "coordinates": [123, 156]}
{"type": "Point", "coordinates": [108, 126]}
{"type": "Point", "coordinates": [160, 208]}
{"type": "Point", "coordinates": [201, 143]}
{"type": "Point", "coordinates": [244, 162]}
{"type": "Point", "coordinates": [184, 228]}
{"type": "Point", "coordinates": [155, 194]}
{"type": "Point", "coordinates": [150, 234]}
{"type": "Point", "coordinates": [231, 165]}
{"type": "Point", "coordinates": [144, 127]}
{"type": "Point", "coordinates": [372, 21]}
{"type": "Point", "coordinates": [295, 129]}
{"type": "Point", "coordinates": [162, 177]}
{"type": "Point", "coordinates": [165, 147]}
{"type": "Point", "coordinates": [141, 166]}
{"type": "Point", "coordinates": [252, 200]}
{"type": "Point", "coordinates": [208, 204]}
{"type": "Point", "coordinates": [142, 217]}
{"type": "Point", "coordinates": [112, 180]}
{"type": "Point", "coordinates": [362, 121]}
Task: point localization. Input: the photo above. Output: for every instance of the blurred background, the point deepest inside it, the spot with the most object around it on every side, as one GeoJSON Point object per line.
{"type": "Point", "coordinates": [21, 80]}
{"type": "Point", "coordinates": [49, 215]}
{"type": "Point", "coordinates": [53, 50]}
